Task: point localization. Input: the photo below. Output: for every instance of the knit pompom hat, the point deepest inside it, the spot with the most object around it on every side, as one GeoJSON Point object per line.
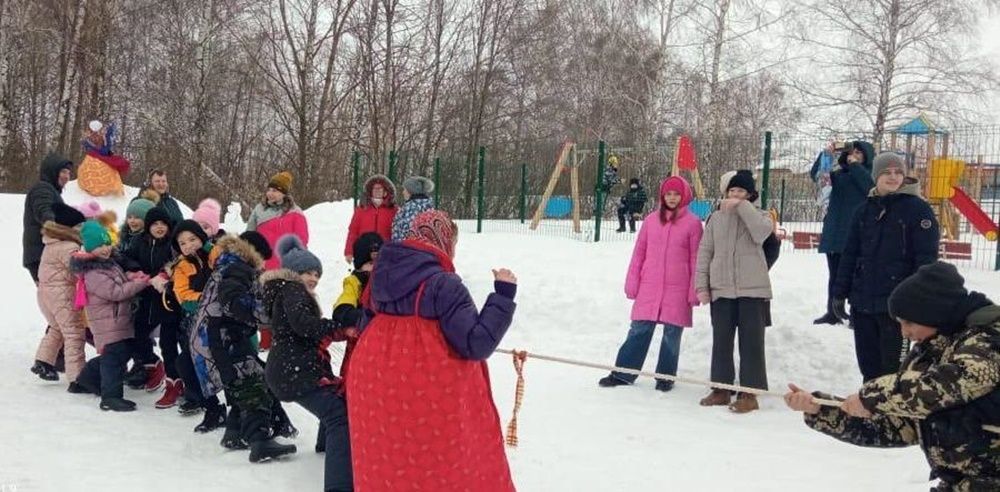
{"type": "Point", "coordinates": [89, 209]}
{"type": "Point", "coordinates": [281, 182]}
{"type": "Point", "coordinates": [139, 208]}
{"type": "Point", "coordinates": [295, 257]}
{"type": "Point", "coordinates": [94, 235]}
{"type": "Point", "coordinates": [208, 214]}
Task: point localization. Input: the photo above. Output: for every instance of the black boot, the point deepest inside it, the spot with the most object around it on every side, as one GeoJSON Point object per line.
{"type": "Point", "coordinates": [45, 371]}
{"type": "Point", "coordinates": [321, 439]}
{"type": "Point", "coordinates": [610, 381]}
{"type": "Point", "coordinates": [190, 407]}
{"type": "Point", "coordinates": [664, 385]}
{"type": "Point", "coordinates": [79, 389]}
{"type": "Point", "coordinates": [269, 449]}
{"type": "Point", "coordinates": [827, 319]}
{"type": "Point", "coordinates": [117, 404]}
{"type": "Point", "coordinates": [232, 439]}
{"type": "Point", "coordinates": [136, 377]}
{"type": "Point", "coordinates": [215, 417]}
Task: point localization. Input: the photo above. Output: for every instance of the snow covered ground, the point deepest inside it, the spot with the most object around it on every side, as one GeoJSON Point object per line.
{"type": "Point", "coordinates": [574, 435]}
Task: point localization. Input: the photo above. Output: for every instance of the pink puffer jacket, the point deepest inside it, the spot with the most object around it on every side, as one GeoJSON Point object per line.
{"type": "Point", "coordinates": [109, 295]}
{"type": "Point", "coordinates": [661, 274]}
{"type": "Point", "coordinates": [56, 283]}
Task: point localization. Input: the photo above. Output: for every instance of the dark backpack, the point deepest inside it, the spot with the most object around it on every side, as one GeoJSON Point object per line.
{"type": "Point", "coordinates": [771, 246]}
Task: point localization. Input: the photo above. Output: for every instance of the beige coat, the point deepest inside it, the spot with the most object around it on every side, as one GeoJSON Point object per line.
{"type": "Point", "coordinates": [731, 261]}
{"type": "Point", "coordinates": [56, 291]}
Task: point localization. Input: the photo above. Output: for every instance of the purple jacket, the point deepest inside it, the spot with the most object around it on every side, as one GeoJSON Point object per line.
{"type": "Point", "coordinates": [109, 298]}
{"type": "Point", "coordinates": [473, 334]}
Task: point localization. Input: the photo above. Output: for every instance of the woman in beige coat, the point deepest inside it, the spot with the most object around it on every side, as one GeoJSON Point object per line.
{"type": "Point", "coordinates": [56, 292]}
{"type": "Point", "coordinates": [732, 276]}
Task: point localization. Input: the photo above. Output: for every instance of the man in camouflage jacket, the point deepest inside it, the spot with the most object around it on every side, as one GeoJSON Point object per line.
{"type": "Point", "coordinates": [946, 396]}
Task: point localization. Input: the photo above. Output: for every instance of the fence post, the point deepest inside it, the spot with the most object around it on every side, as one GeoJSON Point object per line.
{"type": "Point", "coordinates": [480, 191]}
{"type": "Point", "coordinates": [392, 166]}
{"type": "Point", "coordinates": [767, 170]}
{"type": "Point", "coordinates": [355, 171]}
{"type": "Point", "coordinates": [781, 209]}
{"type": "Point", "coordinates": [599, 191]}
{"type": "Point", "coordinates": [996, 263]}
{"type": "Point", "coordinates": [437, 182]}
{"type": "Point", "coordinates": [524, 192]}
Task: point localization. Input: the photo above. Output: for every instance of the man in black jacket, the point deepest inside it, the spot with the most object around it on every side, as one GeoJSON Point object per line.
{"type": "Point", "coordinates": [157, 181]}
{"type": "Point", "coordinates": [55, 172]}
{"type": "Point", "coordinates": [892, 234]}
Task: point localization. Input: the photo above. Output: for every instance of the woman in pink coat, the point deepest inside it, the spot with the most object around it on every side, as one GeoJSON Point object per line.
{"type": "Point", "coordinates": [278, 215]}
{"type": "Point", "coordinates": [661, 282]}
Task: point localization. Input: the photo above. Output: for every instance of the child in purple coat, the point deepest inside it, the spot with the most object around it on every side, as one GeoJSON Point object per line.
{"type": "Point", "coordinates": [661, 282]}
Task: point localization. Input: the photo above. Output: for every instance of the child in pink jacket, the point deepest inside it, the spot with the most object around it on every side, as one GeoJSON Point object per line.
{"type": "Point", "coordinates": [107, 294]}
{"type": "Point", "coordinates": [56, 291]}
{"type": "Point", "coordinates": [661, 282]}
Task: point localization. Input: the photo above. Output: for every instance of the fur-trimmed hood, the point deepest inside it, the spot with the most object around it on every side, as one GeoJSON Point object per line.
{"type": "Point", "coordinates": [235, 246]}
{"type": "Point", "coordinates": [273, 281]}
{"type": "Point", "coordinates": [53, 232]}
{"type": "Point", "coordinates": [82, 262]}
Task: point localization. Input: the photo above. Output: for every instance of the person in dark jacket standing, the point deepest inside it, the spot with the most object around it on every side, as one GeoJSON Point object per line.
{"type": "Point", "coordinates": [850, 181]}
{"type": "Point", "coordinates": [891, 235]}
{"type": "Point", "coordinates": [631, 205]}
{"type": "Point", "coordinates": [416, 199]}
{"type": "Point", "coordinates": [157, 181]}
{"type": "Point", "coordinates": [947, 396]}
{"type": "Point", "coordinates": [298, 367]}
{"type": "Point", "coordinates": [55, 172]}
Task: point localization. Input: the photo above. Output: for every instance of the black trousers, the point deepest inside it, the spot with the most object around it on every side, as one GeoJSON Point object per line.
{"type": "Point", "coordinates": [878, 344]}
{"type": "Point", "coordinates": [105, 374]}
{"type": "Point", "coordinates": [748, 317]}
{"type": "Point", "coordinates": [331, 409]}
{"type": "Point", "coordinates": [624, 214]}
{"type": "Point", "coordinates": [832, 265]}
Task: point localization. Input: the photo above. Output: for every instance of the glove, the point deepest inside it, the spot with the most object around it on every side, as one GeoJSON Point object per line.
{"type": "Point", "coordinates": [839, 309]}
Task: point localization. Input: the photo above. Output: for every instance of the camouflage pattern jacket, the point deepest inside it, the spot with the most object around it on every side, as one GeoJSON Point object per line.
{"type": "Point", "coordinates": [950, 384]}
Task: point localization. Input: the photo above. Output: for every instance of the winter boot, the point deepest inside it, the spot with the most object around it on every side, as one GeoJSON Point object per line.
{"type": "Point", "coordinates": [664, 385]}
{"type": "Point", "coordinates": [136, 376]}
{"type": "Point", "coordinates": [78, 389]}
{"type": "Point", "coordinates": [189, 407]}
{"type": "Point", "coordinates": [321, 439]}
{"type": "Point", "coordinates": [155, 375]}
{"type": "Point", "coordinates": [281, 424]}
{"type": "Point", "coordinates": [45, 371]}
{"type": "Point", "coordinates": [233, 440]}
{"type": "Point", "coordinates": [827, 319]}
{"type": "Point", "coordinates": [215, 417]}
{"type": "Point", "coordinates": [717, 397]}
{"type": "Point", "coordinates": [117, 404]}
{"type": "Point", "coordinates": [269, 449]}
{"type": "Point", "coordinates": [173, 391]}
{"type": "Point", "coordinates": [745, 402]}
{"type": "Point", "coordinates": [611, 381]}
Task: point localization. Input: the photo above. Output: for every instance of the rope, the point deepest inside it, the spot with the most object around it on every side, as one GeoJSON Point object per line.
{"type": "Point", "coordinates": [699, 382]}
{"type": "Point", "coordinates": [519, 357]}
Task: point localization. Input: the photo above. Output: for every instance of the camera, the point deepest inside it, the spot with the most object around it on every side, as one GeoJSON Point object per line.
{"type": "Point", "coordinates": [843, 146]}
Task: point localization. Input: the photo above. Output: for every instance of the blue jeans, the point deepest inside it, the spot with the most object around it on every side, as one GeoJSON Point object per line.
{"type": "Point", "coordinates": [633, 352]}
{"type": "Point", "coordinates": [331, 409]}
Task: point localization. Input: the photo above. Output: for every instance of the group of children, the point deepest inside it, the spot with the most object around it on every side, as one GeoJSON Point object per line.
{"type": "Point", "coordinates": [678, 263]}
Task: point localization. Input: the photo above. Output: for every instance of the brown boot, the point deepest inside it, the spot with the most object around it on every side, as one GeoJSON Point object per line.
{"type": "Point", "coordinates": [716, 398]}
{"type": "Point", "coordinates": [745, 403]}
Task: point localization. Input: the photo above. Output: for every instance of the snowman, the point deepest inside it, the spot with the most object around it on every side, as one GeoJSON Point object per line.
{"type": "Point", "coordinates": [101, 172]}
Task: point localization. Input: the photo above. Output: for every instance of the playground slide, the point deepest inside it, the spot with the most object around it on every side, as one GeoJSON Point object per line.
{"type": "Point", "coordinates": [975, 215]}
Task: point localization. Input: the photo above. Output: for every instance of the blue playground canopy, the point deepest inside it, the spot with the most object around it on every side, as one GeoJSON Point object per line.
{"type": "Point", "coordinates": [921, 125]}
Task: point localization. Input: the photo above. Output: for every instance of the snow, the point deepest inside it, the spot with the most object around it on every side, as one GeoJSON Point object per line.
{"type": "Point", "coordinates": [574, 435]}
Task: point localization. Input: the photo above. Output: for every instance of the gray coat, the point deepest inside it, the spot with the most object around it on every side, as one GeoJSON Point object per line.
{"type": "Point", "coordinates": [731, 262]}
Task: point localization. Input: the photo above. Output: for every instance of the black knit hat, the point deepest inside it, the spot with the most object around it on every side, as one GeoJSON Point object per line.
{"type": "Point", "coordinates": [743, 179]}
{"type": "Point", "coordinates": [259, 242]}
{"type": "Point", "coordinates": [67, 215]}
{"type": "Point", "coordinates": [633, 181]}
{"type": "Point", "coordinates": [930, 297]}
{"type": "Point", "coordinates": [158, 214]}
{"type": "Point", "coordinates": [363, 248]}
{"type": "Point", "coordinates": [188, 226]}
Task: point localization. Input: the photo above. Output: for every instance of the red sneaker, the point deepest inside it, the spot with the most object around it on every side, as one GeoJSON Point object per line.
{"type": "Point", "coordinates": [155, 374]}
{"type": "Point", "coordinates": [175, 388]}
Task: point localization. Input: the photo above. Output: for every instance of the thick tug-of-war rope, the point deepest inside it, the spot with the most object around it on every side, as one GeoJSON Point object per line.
{"type": "Point", "coordinates": [521, 355]}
